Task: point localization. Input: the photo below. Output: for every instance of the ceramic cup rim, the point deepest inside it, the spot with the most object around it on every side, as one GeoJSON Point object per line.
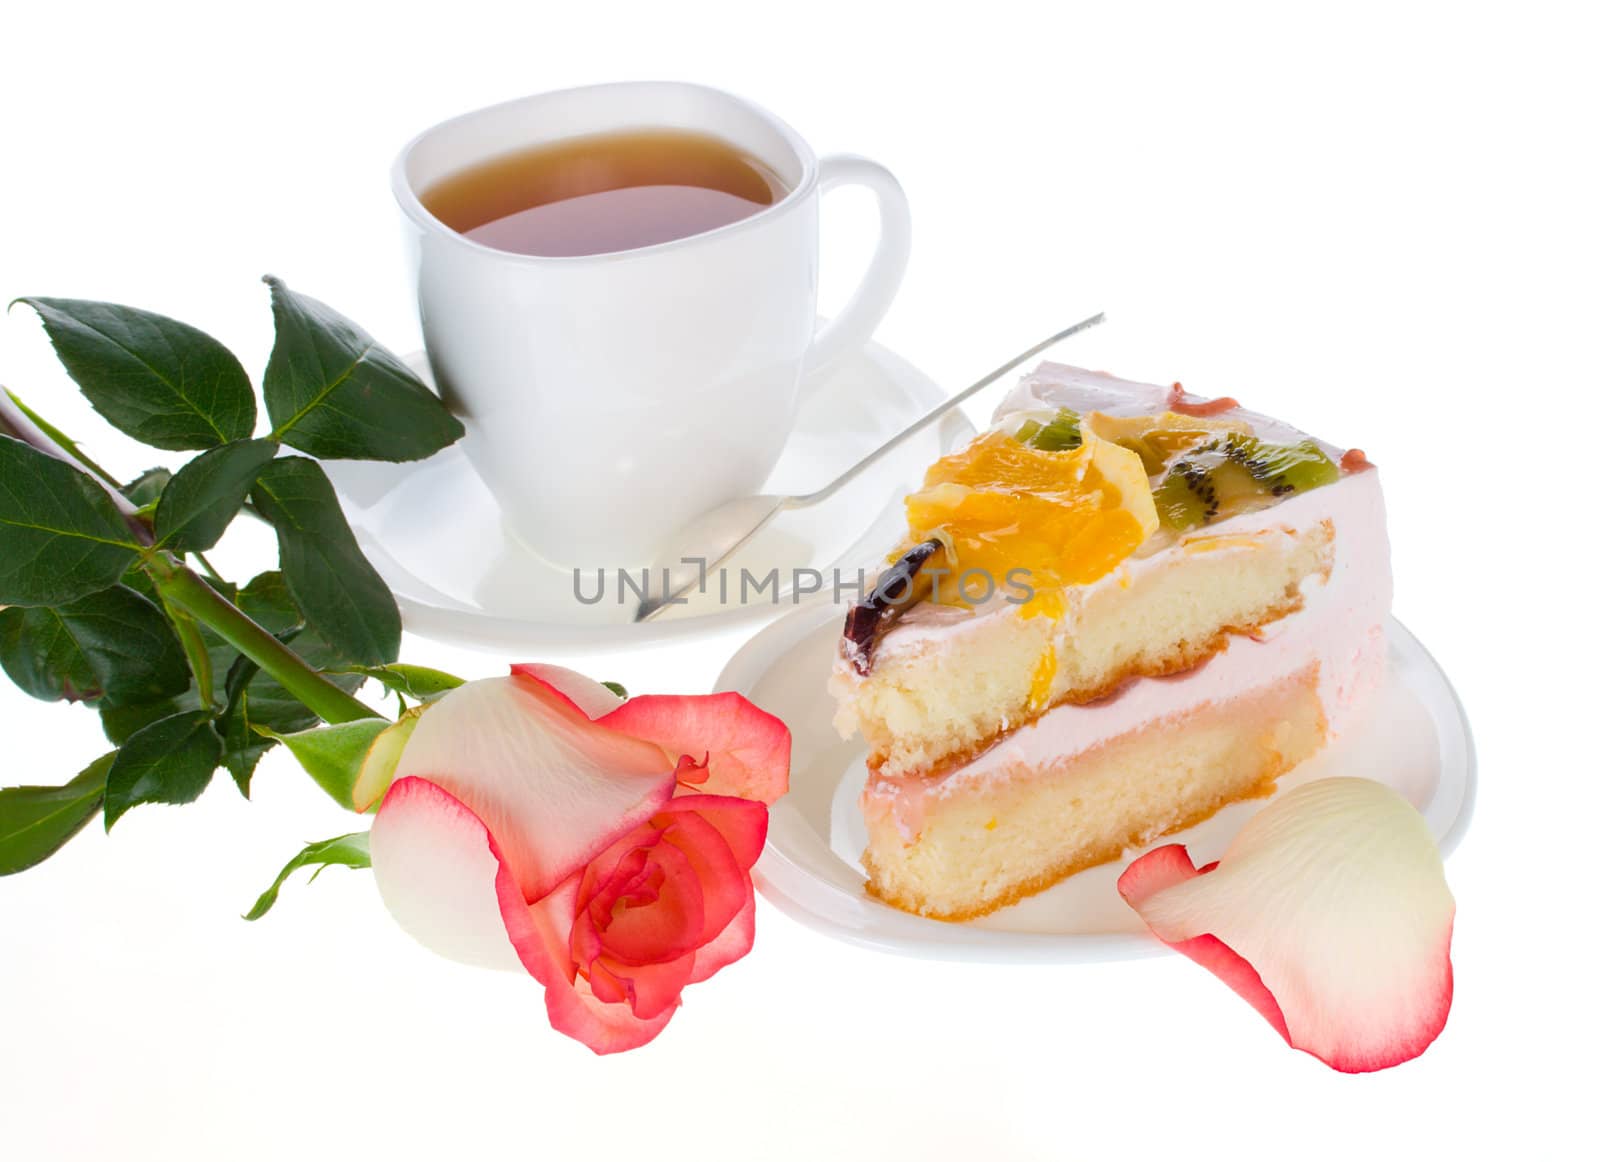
{"type": "Point", "coordinates": [406, 195]}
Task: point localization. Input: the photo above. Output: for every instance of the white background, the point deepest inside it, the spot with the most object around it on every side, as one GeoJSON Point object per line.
{"type": "Point", "coordinates": [1377, 221]}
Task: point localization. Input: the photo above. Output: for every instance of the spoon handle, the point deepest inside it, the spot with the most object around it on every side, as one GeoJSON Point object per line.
{"type": "Point", "coordinates": [939, 412]}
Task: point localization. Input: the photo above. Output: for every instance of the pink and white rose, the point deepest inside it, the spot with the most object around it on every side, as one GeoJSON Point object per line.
{"type": "Point", "coordinates": [539, 823]}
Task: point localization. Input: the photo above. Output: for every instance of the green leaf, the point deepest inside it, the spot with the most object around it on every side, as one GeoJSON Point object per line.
{"type": "Point", "coordinates": [419, 682]}
{"type": "Point", "coordinates": [345, 851]}
{"type": "Point", "coordinates": [121, 721]}
{"type": "Point", "coordinates": [61, 538]}
{"type": "Point", "coordinates": [146, 488]}
{"type": "Point", "coordinates": [163, 382]}
{"type": "Point", "coordinates": [334, 586]}
{"type": "Point", "coordinates": [36, 821]}
{"type": "Point", "coordinates": [266, 598]}
{"type": "Point", "coordinates": [332, 755]}
{"type": "Point", "coordinates": [204, 497]}
{"type": "Point", "coordinates": [111, 644]}
{"type": "Point", "coordinates": [170, 761]}
{"type": "Point", "coordinates": [242, 747]}
{"type": "Point", "coordinates": [617, 688]}
{"type": "Point", "coordinates": [335, 393]}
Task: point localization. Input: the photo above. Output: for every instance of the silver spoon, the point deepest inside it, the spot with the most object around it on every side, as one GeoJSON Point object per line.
{"type": "Point", "coordinates": [709, 540]}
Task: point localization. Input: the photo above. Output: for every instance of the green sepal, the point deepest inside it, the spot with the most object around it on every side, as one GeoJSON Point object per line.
{"type": "Point", "coordinates": [344, 851]}
{"type": "Point", "coordinates": [383, 760]}
{"type": "Point", "coordinates": [332, 755]}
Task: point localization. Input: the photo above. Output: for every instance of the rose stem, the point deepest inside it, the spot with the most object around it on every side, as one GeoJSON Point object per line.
{"type": "Point", "coordinates": [184, 588]}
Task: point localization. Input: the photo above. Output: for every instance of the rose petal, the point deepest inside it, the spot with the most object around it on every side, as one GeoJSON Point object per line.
{"type": "Point", "coordinates": [669, 927]}
{"type": "Point", "coordinates": [728, 745]}
{"type": "Point", "coordinates": [736, 940]}
{"type": "Point", "coordinates": [724, 881]}
{"type": "Point", "coordinates": [553, 788]}
{"type": "Point", "coordinates": [539, 931]}
{"type": "Point", "coordinates": [436, 866]}
{"type": "Point", "coordinates": [605, 1028]}
{"type": "Point", "coordinates": [585, 695]}
{"type": "Point", "coordinates": [1170, 865]}
{"type": "Point", "coordinates": [607, 881]}
{"type": "Point", "coordinates": [607, 988]}
{"type": "Point", "coordinates": [1329, 913]}
{"type": "Point", "coordinates": [652, 989]}
{"type": "Point", "coordinates": [742, 823]}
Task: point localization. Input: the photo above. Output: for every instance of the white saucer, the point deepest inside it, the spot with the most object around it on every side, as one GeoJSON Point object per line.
{"type": "Point", "coordinates": [1413, 737]}
{"type": "Point", "coordinates": [435, 533]}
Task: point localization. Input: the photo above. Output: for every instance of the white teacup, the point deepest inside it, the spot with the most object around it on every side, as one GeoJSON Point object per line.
{"type": "Point", "coordinates": [611, 398]}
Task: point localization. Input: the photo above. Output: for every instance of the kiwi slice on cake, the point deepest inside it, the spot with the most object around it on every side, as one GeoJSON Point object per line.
{"type": "Point", "coordinates": [1236, 472]}
{"type": "Point", "coordinates": [1060, 433]}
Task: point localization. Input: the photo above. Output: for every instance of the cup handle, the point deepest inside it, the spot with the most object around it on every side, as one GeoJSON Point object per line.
{"type": "Point", "coordinates": [854, 325]}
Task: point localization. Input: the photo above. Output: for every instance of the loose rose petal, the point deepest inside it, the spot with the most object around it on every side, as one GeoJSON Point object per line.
{"type": "Point", "coordinates": [436, 867]}
{"type": "Point", "coordinates": [605, 1028]}
{"type": "Point", "coordinates": [1329, 913]}
{"type": "Point", "coordinates": [1168, 866]}
{"type": "Point", "coordinates": [551, 786]}
{"type": "Point", "coordinates": [727, 745]}
{"type": "Point", "coordinates": [587, 696]}
{"type": "Point", "coordinates": [736, 940]}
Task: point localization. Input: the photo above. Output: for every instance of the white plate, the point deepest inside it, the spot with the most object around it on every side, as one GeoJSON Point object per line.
{"type": "Point", "coordinates": [435, 533]}
{"type": "Point", "coordinates": [1412, 736]}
